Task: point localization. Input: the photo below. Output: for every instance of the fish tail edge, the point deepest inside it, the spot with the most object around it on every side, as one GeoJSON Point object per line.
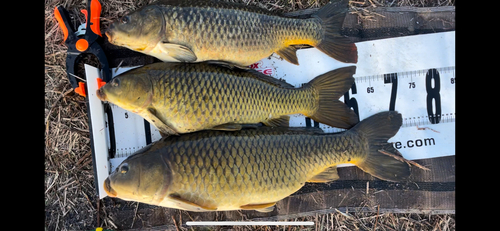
{"type": "Point", "coordinates": [333, 44]}
{"type": "Point", "coordinates": [330, 87]}
{"type": "Point", "coordinates": [378, 129]}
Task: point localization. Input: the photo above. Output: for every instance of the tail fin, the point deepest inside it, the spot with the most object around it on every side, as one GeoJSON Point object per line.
{"type": "Point", "coordinates": [331, 86]}
{"type": "Point", "coordinates": [333, 44]}
{"type": "Point", "coordinates": [378, 129]}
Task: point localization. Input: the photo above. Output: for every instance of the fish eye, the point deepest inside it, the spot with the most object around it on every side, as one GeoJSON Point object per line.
{"type": "Point", "coordinates": [125, 19]}
{"type": "Point", "coordinates": [124, 168]}
{"type": "Point", "coordinates": [115, 82]}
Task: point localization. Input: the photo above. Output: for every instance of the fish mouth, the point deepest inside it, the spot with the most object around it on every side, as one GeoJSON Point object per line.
{"type": "Point", "coordinates": [109, 34]}
{"type": "Point", "coordinates": [100, 94]}
{"type": "Point", "coordinates": [108, 189]}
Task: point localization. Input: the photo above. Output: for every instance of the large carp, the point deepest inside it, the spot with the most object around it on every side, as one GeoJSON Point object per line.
{"type": "Point", "coordinates": [202, 30]}
{"type": "Point", "coordinates": [187, 97]}
{"type": "Point", "coordinates": [252, 168]}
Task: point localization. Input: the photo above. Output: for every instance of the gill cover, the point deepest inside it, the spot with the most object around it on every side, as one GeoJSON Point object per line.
{"type": "Point", "coordinates": [131, 90]}
{"type": "Point", "coordinates": [140, 30]}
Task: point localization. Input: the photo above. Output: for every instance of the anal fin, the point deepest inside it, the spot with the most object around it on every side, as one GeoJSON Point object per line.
{"type": "Point", "coordinates": [228, 127]}
{"type": "Point", "coordinates": [263, 208]}
{"type": "Point", "coordinates": [188, 205]}
{"type": "Point", "coordinates": [227, 64]}
{"type": "Point", "coordinates": [329, 174]}
{"type": "Point", "coordinates": [282, 121]}
{"type": "Point", "coordinates": [289, 53]}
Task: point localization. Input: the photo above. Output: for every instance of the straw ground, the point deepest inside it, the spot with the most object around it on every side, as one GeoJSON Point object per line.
{"type": "Point", "coordinates": [70, 196]}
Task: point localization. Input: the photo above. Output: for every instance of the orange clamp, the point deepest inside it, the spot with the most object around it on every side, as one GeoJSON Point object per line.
{"type": "Point", "coordinates": [100, 83]}
{"type": "Point", "coordinates": [84, 11]}
{"type": "Point", "coordinates": [59, 19]}
{"type": "Point", "coordinates": [81, 89]}
{"type": "Point", "coordinates": [95, 16]}
{"type": "Point", "coordinates": [82, 45]}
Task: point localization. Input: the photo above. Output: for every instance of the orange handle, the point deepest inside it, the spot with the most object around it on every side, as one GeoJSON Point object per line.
{"type": "Point", "coordinates": [84, 11]}
{"type": "Point", "coordinates": [81, 89]}
{"type": "Point", "coordinates": [95, 15]}
{"type": "Point", "coordinates": [59, 19]}
{"type": "Point", "coordinates": [100, 83]}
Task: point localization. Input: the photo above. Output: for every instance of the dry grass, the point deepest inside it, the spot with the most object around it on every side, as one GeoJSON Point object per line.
{"type": "Point", "coordinates": [368, 221]}
{"type": "Point", "coordinates": [70, 197]}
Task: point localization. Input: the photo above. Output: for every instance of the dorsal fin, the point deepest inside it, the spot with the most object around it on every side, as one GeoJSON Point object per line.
{"type": "Point", "coordinates": [271, 80]}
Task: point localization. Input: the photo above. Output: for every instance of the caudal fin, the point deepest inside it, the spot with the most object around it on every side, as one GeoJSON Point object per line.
{"type": "Point", "coordinates": [331, 86]}
{"type": "Point", "coordinates": [382, 160]}
{"type": "Point", "coordinates": [333, 44]}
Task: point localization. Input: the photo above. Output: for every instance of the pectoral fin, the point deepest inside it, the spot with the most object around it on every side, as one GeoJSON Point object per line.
{"type": "Point", "coordinates": [263, 208]}
{"type": "Point", "coordinates": [330, 174]}
{"type": "Point", "coordinates": [188, 205]}
{"type": "Point", "coordinates": [179, 52]}
{"type": "Point", "coordinates": [164, 129]}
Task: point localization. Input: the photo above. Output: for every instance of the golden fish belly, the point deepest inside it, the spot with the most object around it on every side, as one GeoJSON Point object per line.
{"type": "Point", "coordinates": [226, 172]}
{"type": "Point", "coordinates": [237, 36]}
{"type": "Point", "coordinates": [190, 100]}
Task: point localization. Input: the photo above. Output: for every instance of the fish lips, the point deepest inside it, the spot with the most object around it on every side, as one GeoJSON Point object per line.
{"type": "Point", "coordinates": [109, 33]}
{"type": "Point", "coordinates": [100, 94]}
{"type": "Point", "coordinates": [107, 188]}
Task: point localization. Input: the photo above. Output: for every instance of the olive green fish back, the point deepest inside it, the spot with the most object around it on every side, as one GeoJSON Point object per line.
{"type": "Point", "coordinates": [213, 4]}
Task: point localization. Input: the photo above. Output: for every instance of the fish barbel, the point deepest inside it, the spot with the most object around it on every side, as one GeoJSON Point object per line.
{"type": "Point", "coordinates": [203, 30]}
{"type": "Point", "coordinates": [252, 169]}
{"type": "Point", "coordinates": [187, 97]}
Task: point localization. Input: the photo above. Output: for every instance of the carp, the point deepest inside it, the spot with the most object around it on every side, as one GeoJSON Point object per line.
{"type": "Point", "coordinates": [252, 169]}
{"type": "Point", "coordinates": [187, 97]}
{"type": "Point", "coordinates": [204, 30]}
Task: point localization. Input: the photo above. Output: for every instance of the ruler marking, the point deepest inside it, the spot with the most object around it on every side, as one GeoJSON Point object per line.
{"type": "Point", "coordinates": [406, 74]}
{"type": "Point", "coordinates": [436, 82]}
{"type": "Point", "coordinates": [424, 120]}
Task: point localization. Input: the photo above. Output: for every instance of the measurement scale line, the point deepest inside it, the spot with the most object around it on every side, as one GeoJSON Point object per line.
{"type": "Point", "coordinates": [404, 74]}
{"type": "Point", "coordinates": [424, 120]}
{"type": "Point", "coordinates": [232, 223]}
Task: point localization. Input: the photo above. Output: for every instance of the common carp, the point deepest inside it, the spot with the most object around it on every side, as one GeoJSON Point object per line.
{"type": "Point", "coordinates": [187, 97]}
{"type": "Point", "coordinates": [252, 169]}
{"type": "Point", "coordinates": [203, 30]}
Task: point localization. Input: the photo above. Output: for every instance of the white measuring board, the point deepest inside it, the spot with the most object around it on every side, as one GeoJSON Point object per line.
{"type": "Point", "coordinates": [414, 75]}
{"type": "Point", "coordinates": [99, 131]}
